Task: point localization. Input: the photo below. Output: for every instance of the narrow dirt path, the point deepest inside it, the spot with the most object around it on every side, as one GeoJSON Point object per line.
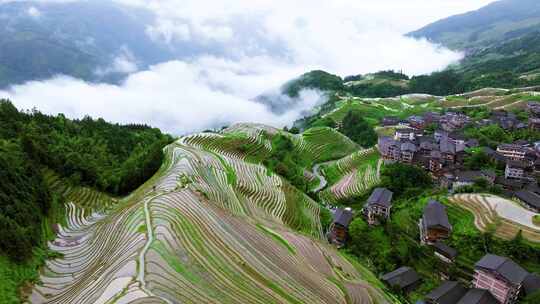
{"type": "Point", "coordinates": [141, 260]}
{"type": "Point", "coordinates": [322, 179]}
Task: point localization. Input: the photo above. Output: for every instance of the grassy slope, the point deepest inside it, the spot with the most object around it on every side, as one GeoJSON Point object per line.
{"type": "Point", "coordinates": [376, 109]}
{"type": "Point", "coordinates": [16, 279]}
{"type": "Point", "coordinates": [192, 272]}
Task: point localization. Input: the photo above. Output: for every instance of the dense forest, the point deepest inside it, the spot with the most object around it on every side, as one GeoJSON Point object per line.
{"type": "Point", "coordinates": [108, 157]}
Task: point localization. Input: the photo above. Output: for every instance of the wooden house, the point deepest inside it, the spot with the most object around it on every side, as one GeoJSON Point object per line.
{"type": "Point", "coordinates": [378, 205]}
{"type": "Point", "coordinates": [339, 228]}
{"type": "Point", "coordinates": [434, 225]}
{"type": "Point", "coordinates": [501, 276]}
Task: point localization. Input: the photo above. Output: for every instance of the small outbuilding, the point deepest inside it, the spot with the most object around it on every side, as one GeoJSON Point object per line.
{"type": "Point", "coordinates": [450, 292]}
{"type": "Point", "coordinates": [404, 278]}
{"type": "Point", "coordinates": [444, 252]}
{"type": "Point", "coordinates": [478, 296]}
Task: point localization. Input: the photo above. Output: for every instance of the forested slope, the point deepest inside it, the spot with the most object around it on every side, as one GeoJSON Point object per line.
{"type": "Point", "coordinates": [34, 147]}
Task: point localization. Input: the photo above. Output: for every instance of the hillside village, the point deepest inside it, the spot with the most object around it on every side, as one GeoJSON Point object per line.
{"type": "Point", "coordinates": [443, 152]}
{"type": "Point", "coordinates": [437, 143]}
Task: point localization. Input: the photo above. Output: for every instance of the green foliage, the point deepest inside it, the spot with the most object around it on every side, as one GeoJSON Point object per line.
{"type": "Point", "coordinates": [536, 220]}
{"type": "Point", "coordinates": [323, 122]}
{"type": "Point", "coordinates": [326, 218]}
{"type": "Point", "coordinates": [438, 83]}
{"type": "Point", "coordinates": [391, 74]}
{"type": "Point", "coordinates": [478, 160]}
{"type": "Point", "coordinates": [481, 185]}
{"type": "Point", "coordinates": [285, 161]}
{"type": "Point", "coordinates": [405, 180]}
{"type": "Point", "coordinates": [319, 80]}
{"type": "Point", "coordinates": [532, 298]}
{"type": "Point", "coordinates": [25, 202]}
{"type": "Point", "coordinates": [110, 157]}
{"type": "Point", "coordinates": [13, 275]}
{"type": "Point", "coordinates": [490, 135]}
{"type": "Point", "coordinates": [379, 89]}
{"type": "Point", "coordinates": [493, 134]}
{"type": "Point", "coordinates": [357, 129]}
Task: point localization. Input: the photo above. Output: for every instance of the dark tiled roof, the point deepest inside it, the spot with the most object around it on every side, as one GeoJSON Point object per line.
{"type": "Point", "coordinates": [435, 154]}
{"type": "Point", "coordinates": [533, 187]}
{"type": "Point", "coordinates": [457, 136]}
{"type": "Point", "coordinates": [531, 283]}
{"type": "Point", "coordinates": [468, 176]}
{"type": "Point", "coordinates": [511, 147]}
{"type": "Point", "coordinates": [448, 293]}
{"type": "Point", "coordinates": [528, 197]}
{"type": "Point", "coordinates": [381, 196]}
{"type": "Point", "coordinates": [401, 277]}
{"type": "Point", "coordinates": [445, 250]}
{"type": "Point", "coordinates": [435, 215]}
{"type": "Point", "coordinates": [472, 143]}
{"type": "Point", "coordinates": [478, 296]}
{"type": "Point", "coordinates": [494, 154]}
{"type": "Point", "coordinates": [516, 184]}
{"type": "Point", "coordinates": [388, 141]}
{"type": "Point", "coordinates": [408, 146]}
{"type": "Point", "coordinates": [505, 267]}
{"type": "Point", "coordinates": [406, 130]}
{"type": "Point", "coordinates": [447, 146]}
{"type": "Point", "coordinates": [343, 217]}
{"type": "Point", "coordinates": [489, 174]}
{"type": "Point", "coordinates": [517, 164]}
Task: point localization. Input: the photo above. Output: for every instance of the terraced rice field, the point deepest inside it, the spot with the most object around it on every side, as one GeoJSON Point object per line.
{"type": "Point", "coordinates": [215, 230]}
{"type": "Point", "coordinates": [374, 109]}
{"type": "Point", "coordinates": [496, 99]}
{"type": "Point", "coordinates": [323, 144]}
{"type": "Point", "coordinates": [489, 214]}
{"type": "Point", "coordinates": [88, 200]}
{"type": "Point", "coordinates": [352, 175]}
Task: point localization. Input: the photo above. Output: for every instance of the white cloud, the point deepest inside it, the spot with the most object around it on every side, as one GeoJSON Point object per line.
{"type": "Point", "coordinates": [33, 12]}
{"type": "Point", "coordinates": [123, 63]}
{"type": "Point", "coordinates": [255, 46]}
{"type": "Point", "coordinates": [177, 97]}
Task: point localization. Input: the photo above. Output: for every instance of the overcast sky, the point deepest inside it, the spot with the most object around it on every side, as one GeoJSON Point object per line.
{"type": "Point", "coordinates": [267, 42]}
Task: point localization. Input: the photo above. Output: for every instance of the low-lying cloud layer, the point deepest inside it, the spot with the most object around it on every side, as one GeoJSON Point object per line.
{"type": "Point", "coordinates": [177, 97]}
{"type": "Point", "coordinates": [262, 44]}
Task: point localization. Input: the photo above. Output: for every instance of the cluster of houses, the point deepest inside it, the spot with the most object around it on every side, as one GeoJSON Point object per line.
{"type": "Point", "coordinates": [496, 280]}
{"type": "Point", "coordinates": [443, 153]}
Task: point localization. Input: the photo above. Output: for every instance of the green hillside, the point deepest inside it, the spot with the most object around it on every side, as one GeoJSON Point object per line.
{"type": "Point", "coordinates": [497, 22]}
{"type": "Point", "coordinates": [212, 226]}
{"type": "Point", "coordinates": [50, 161]}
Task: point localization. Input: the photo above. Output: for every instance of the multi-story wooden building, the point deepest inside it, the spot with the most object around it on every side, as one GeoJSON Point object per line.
{"type": "Point", "coordinates": [378, 205]}
{"type": "Point", "coordinates": [407, 134]}
{"type": "Point", "coordinates": [501, 276]}
{"type": "Point", "coordinates": [517, 169]}
{"type": "Point", "coordinates": [339, 228]}
{"type": "Point", "coordinates": [513, 152]}
{"type": "Point", "coordinates": [434, 224]}
{"type": "Point", "coordinates": [534, 123]}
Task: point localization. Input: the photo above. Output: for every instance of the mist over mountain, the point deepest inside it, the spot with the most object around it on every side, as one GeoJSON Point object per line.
{"type": "Point", "coordinates": [495, 23]}
{"type": "Point", "coordinates": [95, 41]}
{"type": "Point", "coordinates": [191, 65]}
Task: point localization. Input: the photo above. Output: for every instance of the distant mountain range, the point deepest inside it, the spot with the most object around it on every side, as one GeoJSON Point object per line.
{"type": "Point", "coordinates": [500, 40]}
{"type": "Point", "coordinates": [92, 40]}
{"type": "Point", "coordinates": [493, 24]}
